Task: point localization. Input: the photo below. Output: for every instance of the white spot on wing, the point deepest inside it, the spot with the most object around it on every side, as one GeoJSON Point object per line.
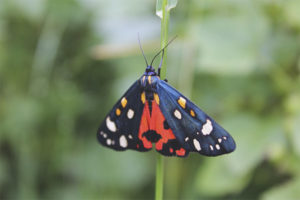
{"type": "Point", "coordinates": [104, 135]}
{"type": "Point", "coordinates": [207, 127]}
{"type": "Point", "coordinates": [123, 141]}
{"type": "Point", "coordinates": [186, 139]}
{"type": "Point", "coordinates": [108, 141]}
{"type": "Point", "coordinates": [225, 138]}
{"type": "Point", "coordinates": [217, 146]}
{"type": "Point", "coordinates": [211, 147]}
{"type": "Point", "coordinates": [130, 114]}
{"type": "Point", "coordinates": [197, 145]}
{"type": "Point", "coordinates": [130, 136]}
{"type": "Point", "coordinates": [177, 114]}
{"type": "Point", "coordinates": [220, 140]}
{"type": "Point", "coordinates": [111, 125]}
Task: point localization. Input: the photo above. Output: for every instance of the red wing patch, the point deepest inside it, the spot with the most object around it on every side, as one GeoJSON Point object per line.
{"type": "Point", "coordinates": [145, 126]}
{"type": "Point", "coordinates": [152, 129]}
{"type": "Point", "coordinates": [157, 124]}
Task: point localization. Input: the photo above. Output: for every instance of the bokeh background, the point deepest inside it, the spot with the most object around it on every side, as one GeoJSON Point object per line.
{"type": "Point", "coordinates": [64, 63]}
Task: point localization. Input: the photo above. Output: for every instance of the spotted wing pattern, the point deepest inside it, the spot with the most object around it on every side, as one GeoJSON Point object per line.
{"type": "Point", "coordinates": [154, 129]}
{"type": "Point", "coordinates": [193, 129]}
{"type": "Point", "coordinates": [120, 128]}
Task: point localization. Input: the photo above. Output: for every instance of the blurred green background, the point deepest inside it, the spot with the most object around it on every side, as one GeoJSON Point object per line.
{"type": "Point", "coordinates": [64, 63]}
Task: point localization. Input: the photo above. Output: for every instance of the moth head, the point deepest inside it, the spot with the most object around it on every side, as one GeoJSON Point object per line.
{"type": "Point", "coordinates": [150, 71]}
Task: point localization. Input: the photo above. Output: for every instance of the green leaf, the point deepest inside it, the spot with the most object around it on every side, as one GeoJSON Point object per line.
{"type": "Point", "coordinates": [230, 44]}
{"type": "Point", "coordinates": [255, 137]}
{"type": "Point", "coordinates": [159, 5]}
{"type": "Point", "coordinates": [289, 190]}
{"type": "Point", "coordinates": [291, 11]}
{"type": "Point", "coordinates": [295, 133]}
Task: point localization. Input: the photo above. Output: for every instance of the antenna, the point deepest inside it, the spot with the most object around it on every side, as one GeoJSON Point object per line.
{"type": "Point", "coordinates": [142, 50]}
{"type": "Point", "coordinates": [163, 49]}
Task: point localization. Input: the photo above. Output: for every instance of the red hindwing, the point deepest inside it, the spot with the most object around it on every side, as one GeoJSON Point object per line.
{"type": "Point", "coordinates": [155, 122]}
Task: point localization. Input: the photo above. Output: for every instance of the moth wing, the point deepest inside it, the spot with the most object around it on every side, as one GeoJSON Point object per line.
{"type": "Point", "coordinates": [120, 128]}
{"type": "Point", "coordinates": [193, 128]}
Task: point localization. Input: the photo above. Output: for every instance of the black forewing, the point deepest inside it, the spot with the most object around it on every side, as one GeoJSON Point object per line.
{"type": "Point", "coordinates": [121, 132]}
{"type": "Point", "coordinates": [198, 133]}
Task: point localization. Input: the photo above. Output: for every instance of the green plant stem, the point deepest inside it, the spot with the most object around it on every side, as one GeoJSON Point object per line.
{"type": "Point", "coordinates": [159, 177]}
{"type": "Point", "coordinates": [164, 36]}
{"type": "Point", "coordinates": [164, 40]}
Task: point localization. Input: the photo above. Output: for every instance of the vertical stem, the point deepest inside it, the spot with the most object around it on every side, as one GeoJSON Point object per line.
{"type": "Point", "coordinates": [159, 177]}
{"type": "Point", "coordinates": [164, 35]}
{"type": "Point", "coordinates": [164, 40]}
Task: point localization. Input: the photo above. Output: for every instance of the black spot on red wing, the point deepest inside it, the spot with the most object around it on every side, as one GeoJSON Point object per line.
{"type": "Point", "coordinates": [173, 144]}
{"type": "Point", "coordinates": [166, 125]}
{"type": "Point", "coordinates": [140, 147]}
{"type": "Point", "coordinates": [171, 147]}
{"type": "Point", "coordinates": [152, 136]}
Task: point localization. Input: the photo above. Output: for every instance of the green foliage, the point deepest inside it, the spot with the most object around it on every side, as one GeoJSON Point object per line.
{"type": "Point", "coordinates": [238, 60]}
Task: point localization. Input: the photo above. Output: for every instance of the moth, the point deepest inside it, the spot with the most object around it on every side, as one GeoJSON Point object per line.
{"type": "Point", "coordinates": [151, 112]}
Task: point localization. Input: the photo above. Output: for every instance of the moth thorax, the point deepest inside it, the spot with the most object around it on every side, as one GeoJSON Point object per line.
{"type": "Point", "coordinates": [149, 95]}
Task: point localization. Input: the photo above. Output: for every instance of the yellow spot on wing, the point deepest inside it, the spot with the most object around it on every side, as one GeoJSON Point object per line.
{"type": "Point", "coordinates": [149, 79]}
{"type": "Point", "coordinates": [182, 102]}
{"type": "Point", "coordinates": [156, 98]}
{"type": "Point", "coordinates": [118, 112]}
{"type": "Point", "coordinates": [144, 78]}
{"type": "Point", "coordinates": [143, 97]}
{"type": "Point", "coordinates": [124, 102]}
{"type": "Point", "coordinates": [192, 113]}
